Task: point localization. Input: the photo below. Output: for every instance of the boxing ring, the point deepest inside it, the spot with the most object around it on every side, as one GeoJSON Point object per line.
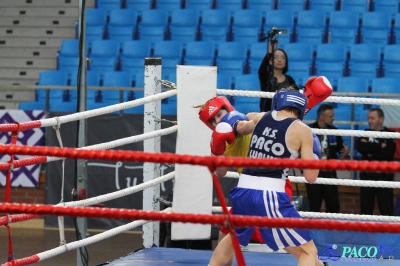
{"type": "Point", "coordinates": [192, 213]}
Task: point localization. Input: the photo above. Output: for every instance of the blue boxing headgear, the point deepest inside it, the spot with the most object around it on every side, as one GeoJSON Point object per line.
{"type": "Point", "coordinates": [289, 98]}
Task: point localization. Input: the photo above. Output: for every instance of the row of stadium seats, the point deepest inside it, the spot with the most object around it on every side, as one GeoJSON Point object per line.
{"type": "Point", "coordinates": [63, 100]}
{"type": "Point", "coordinates": [248, 26]}
{"type": "Point", "coordinates": [66, 100]}
{"type": "Point", "coordinates": [235, 58]}
{"type": "Point", "coordinates": [294, 5]}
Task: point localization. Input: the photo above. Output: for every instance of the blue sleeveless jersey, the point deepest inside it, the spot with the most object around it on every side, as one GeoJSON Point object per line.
{"type": "Point", "coordinates": [269, 141]}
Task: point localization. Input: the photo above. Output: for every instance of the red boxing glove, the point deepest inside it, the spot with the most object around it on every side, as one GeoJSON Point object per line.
{"type": "Point", "coordinates": [222, 134]}
{"type": "Point", "coordinates": [317, 89]}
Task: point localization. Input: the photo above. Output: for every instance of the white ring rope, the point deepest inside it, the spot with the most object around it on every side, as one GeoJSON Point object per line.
{"type": "Point", "coordinates": [334, 181]}
{"type": "Point", "coordinates": [118, 194]}
{"type": "Point", "coordinates": [348, 182]}
{"type": "Point", "coordinates": [356, 133]}
{"type": "Point", "coordinates": [124, 141]}
{"type": "Point", "coordinates": [336, 99]}
{"type": "Point", "coordinates": [339, 216]}
{"type": "Point", "coordinates": [93, 239]}
{"type": "Point", "coordinates": [108, 109]}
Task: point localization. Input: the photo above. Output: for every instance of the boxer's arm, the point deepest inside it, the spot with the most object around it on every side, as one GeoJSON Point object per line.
{"type": "Point", "coordinates": [307, 151]}
{"type": "Point", "coordinates": [247, 127]}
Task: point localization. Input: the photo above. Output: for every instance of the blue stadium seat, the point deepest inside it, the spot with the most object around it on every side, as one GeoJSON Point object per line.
{"type": "Point", "coordinates": [231, 58]}
{"type": "Point", "coordinates": [104, 56]}
{"type": "Point", "coordinates": [95, 17]}
{"type": "Point", "coordinates": [249, 82]}
{"type": "Point", "coordinates": [56, 96]}
{"type": "Point", "coordinates": [137, 94]}
{"type": "Point", "coordinates": [168, 105]}
{"type": "Point", "coordinates": [108, 4]}
{"type": "Point", "coordinates": [153, 26]}
{"type": "Point", "coordinates": [68, 56]}
{"type": "Point", "coordinates": [312, 114]}
{"type": "Point", "coordinates": [246, 82]}
{"type": "Point", "coordinates": [343, 113]}
{"type": "Point", "coordinates": [247, 25]}
{"type": "Point", "coordinates": [69, 48]}
{"type": "Point", "coordinates": [362, 116]}
{"type": "Point", "coordinates": [215, 25]}
{"type": "Point", "coordinates": [376, 28]}
{"type": "Point", "coordinates": [324, 5]}
{"type": "Point", "coordinates": [139, 5]}
{"type": "Point", "coordinates": [391, 6]}
{"type": "Point", "coordinates": [292, 5]}
{"type": "Point", "coordinates": [261, 4]}
{"type": "Point", "coordinates": [96, 23]}
{"type": "Point", "coordinates": [396, 29]}
{"type": "Point", "coordinates": [281, 19]}
{"type": "Point", "coordinates": [200, 53]}
{"type": "Point", "coordinates": [133, 54]}
{"type": "Point", "coordinates": [364, 60]}
{"type": "Point", "coordinates": [311, 27]}
{"type": "Point", "coordinates": [200, 5]}
{"type": "Point", "coordinates": [330, 61]}
{"type": "Point", "coordinates": [385, 85]}
{"type": "Point", "coordinates": [343, 27]}
{"type": "Point", "coordinates": [257, 53]}
{"type": "Point", "coordinates": [391, 61]}
{"type": "Point", "coordinates": [352, 84]}
{"type": "Point", "coordinates": [110, 97]}
{"type": "Point", "coordinates": [92, 80]}
{"type": "Point", "coordinates": [115, 79]}
{"type": "Point", "coordinates": [95, 33]}
{"type": "Point", "coordinates": [52, 77]}
{"type": "Point", "coordinates": [301, 56]}
{"type": "Point", "coordinates": [172, 77]}
{"type": "Point", "coordinates": [69, 64]}
{"type": "Point", "coordinates": [105, 48]}
{"type": "Point", "coordinates": [231, 5]}
{"type": "Point", "coordinates": [171, 53]}
{"type": "Point", "coordinates": [359, 6]}
{"type": "Point", "coordinates": [184, 25]}
{"type": "Point", "coordinates": [301, 81]}
{"type": "Point", "coordinates": [122, 25]}
{"type": "Point", "coordinates": [168, 4]}
{"type": "Point", "coordinates": [224, 81]}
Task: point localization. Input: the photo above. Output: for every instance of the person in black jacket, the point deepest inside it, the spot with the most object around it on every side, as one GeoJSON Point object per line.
{"type": "Point", "coordinates": [332, 147]}
{"type": "Point", "coordinates": [376, 149]}
{"type": "Point", "coordinates": [279, 66]}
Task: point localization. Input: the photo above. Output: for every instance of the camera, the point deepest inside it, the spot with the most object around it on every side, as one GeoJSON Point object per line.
{"type": "Point", "coordinates": [273, 32]}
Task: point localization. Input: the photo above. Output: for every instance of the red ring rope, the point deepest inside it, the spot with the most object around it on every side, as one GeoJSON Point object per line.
{"type": "Point", "coordinates": [218, 219]}
{"type": "Point", "coordinates": [209, 161]}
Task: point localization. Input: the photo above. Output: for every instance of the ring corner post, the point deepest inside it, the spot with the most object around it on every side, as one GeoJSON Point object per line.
{"type": "Point", "coordinates": [152, 110]}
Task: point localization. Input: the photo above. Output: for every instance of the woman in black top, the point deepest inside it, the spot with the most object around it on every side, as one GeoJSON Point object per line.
{"type": "Point", "coordinates": [279, 67]}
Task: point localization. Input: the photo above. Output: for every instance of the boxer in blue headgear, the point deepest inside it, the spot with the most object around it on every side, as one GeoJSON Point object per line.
{"type": "Point", "coordinates": [277, 134]}
{"type": "Point", "coordinates": [290, 98]}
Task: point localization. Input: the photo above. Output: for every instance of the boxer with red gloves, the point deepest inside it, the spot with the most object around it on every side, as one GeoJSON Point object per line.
{"type": "Point", "coordinates": [226, 142]}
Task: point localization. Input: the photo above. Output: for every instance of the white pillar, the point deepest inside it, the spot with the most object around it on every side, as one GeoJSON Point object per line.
{"type": "Point", "coordinates": [193, 184]}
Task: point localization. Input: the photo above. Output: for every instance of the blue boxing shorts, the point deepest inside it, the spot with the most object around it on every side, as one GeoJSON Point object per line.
{"type": "Point", "coordinates": [267, 203]}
